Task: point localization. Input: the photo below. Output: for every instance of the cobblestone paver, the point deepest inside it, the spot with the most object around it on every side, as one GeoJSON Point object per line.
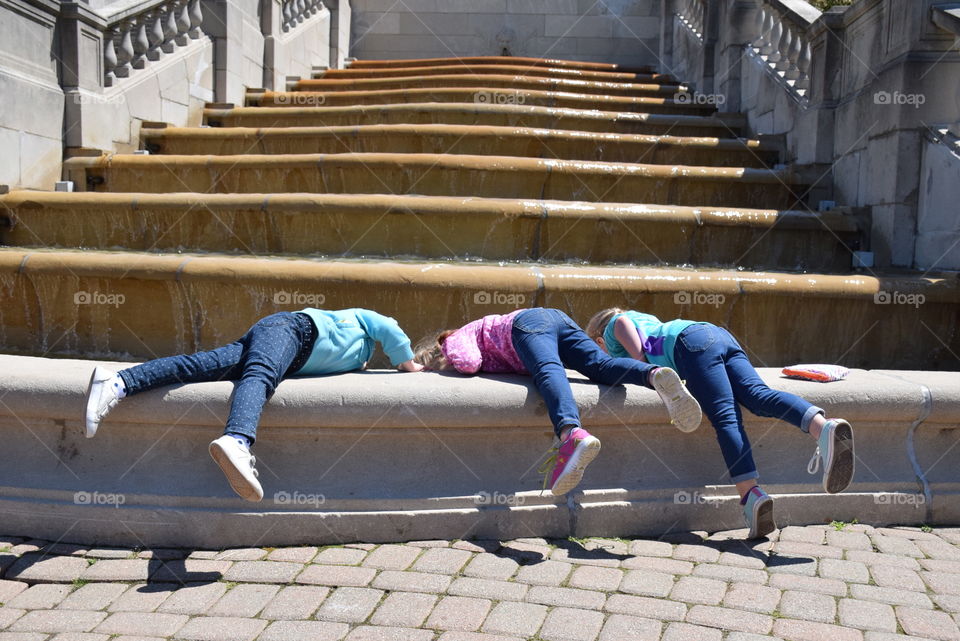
{"type": "Point", "coordinates": [813, 583]}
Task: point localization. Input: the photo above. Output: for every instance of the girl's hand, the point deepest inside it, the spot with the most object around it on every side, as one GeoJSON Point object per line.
{"type": "Point", "coordinates": [410, 366]}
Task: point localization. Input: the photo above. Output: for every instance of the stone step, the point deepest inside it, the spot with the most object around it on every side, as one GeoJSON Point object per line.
{"type": "Point", "coordinates": [430, 227]}
{"type": "Point", "coordinates": [499, 60]}
{"type": "Point", "coordinates": [481, 96]}
{"type": "Point", "coordinates": [496, 69]}
{"type": "Point", "coordinates": [386, 456]}
{"type": "Point", "coordinates": [716, 125]}
{"type": "Point", "coordinates": [104, 304]}
{"type": "Point", "coordinates": [439, 175]}
{"type": "Point", "coordinates": [461, 139]}
{"type": "Point", "coordinates": [510, 82]}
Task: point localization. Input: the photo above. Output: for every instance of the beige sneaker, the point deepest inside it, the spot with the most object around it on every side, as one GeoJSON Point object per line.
{"type": "Point", "coordinates": [683, 408]}
{"type": "Point", "coordinates": [239, 466]}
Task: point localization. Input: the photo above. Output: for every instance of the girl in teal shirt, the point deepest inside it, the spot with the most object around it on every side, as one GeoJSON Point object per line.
{"type": "Point", "coordinates": [719, 375]}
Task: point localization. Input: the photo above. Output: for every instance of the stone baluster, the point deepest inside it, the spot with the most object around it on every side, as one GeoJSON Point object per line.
{"type": "Point", "coordinates": [154, 33]}
{"type": "Point", "coordinates": [124, 50]}
{"type": "Point", "coordinates": [784, 47]}
{"type": "Point", "coordinates": [109, 59]}
{"type": "Point", "coordinates": [169, 28]}
{"type": "Point", "coordinates": [300, 7]}
{"type": "Point", "coordinates": [758, 21]}
{"type": "Point", "coordinates": [793, 56]}
{"type": "Point", "coordinates": [196, 19]}
{"type": "Point", "coordinates": [803, 67]}
{"type": "Point", "coordinates": [769, 21]}
{"type": "Point", "coordinates": [775, 35]}
{"type": "Point", "coordinates": [287, 14]}
{"type": "Point", "coordinates": [140, 41]}
{"type": "Point", "coordinates": [182, 12]}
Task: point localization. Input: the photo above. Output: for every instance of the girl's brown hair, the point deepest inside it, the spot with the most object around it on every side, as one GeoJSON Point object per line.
{"type": "Point", "coordinates": [598, 323]}
{"type": "Point", "coordinates": [429, 351]}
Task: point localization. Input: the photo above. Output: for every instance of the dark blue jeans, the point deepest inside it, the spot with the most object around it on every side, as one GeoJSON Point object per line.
{"type": "Point", "coordinates": [276, 347]}
{"type": "Point", "coordinates": [721, 378]}
{"type": "Point", "coordinates": [547, 340]}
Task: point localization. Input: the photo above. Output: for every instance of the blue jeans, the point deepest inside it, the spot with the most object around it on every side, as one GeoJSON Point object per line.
{"type": "Point", "coordinates": [276, 347]}
{"type": "Point", "coordinates": [546, 341]}
{"type": "Point", "coordinates": [721, 378]}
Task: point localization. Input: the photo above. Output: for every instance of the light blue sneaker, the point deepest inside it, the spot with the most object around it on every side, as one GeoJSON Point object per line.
{"type": "Point", "coordinates": [835, 448]}
{"type": "Point", "coordinates": [758, 513]}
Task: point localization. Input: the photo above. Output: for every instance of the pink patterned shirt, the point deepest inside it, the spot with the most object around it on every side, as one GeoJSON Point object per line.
{"type": "Point", "coordinates": [485, 345]}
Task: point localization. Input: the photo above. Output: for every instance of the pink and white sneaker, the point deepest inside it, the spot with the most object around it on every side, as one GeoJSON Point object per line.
{"type": "Point", "coordinates": [571, 459]}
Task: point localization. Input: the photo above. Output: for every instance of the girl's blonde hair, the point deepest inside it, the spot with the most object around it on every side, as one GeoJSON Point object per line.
{"type": "Point", "coordinates": [598, 323]}
{"type": "Point", "coordinates": [429, 351]}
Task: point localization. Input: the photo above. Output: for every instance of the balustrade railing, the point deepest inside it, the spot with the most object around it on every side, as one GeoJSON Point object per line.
{"type": "Point", "coordinates": [692, 15]}
{"type": "Point", "coordinates": [155, 30]}
{"type": "Point", "coordinates": [783, 46]}
{"type": "Point", "coordinates": [297, 11]}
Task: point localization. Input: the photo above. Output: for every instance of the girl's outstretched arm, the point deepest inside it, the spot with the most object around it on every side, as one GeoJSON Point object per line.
{"type": "Point", "coordinates": [626, 332]}
{"type": "Point", "coordinates": [387, 332]}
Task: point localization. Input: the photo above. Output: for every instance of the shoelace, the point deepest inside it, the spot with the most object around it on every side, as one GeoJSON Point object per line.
{"type": "Point", "coordinates": [546, 468]}
{"type": "Point", "coordinates": [814, 465]}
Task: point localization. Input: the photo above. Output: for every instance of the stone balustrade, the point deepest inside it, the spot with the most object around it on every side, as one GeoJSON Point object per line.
{"type": "Point", "coordinates": [783, 46]}
{"type": "Point", "coordinates": [295, 12]}
{"type": "Point", "coordinates": [144, 34]}
{"type": "Point", "coordinates": [691, 14]}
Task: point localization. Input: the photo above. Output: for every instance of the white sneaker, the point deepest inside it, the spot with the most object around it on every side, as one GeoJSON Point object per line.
{"type": "Point", "coordinates": [239, 466]}
{"type": "Point", "coordinates": [683, 408]}
{"type": "Point", "coordinates": [101, 398]}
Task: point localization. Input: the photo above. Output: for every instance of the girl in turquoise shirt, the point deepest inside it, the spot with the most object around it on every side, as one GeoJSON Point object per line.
{"type": "Point", "coordinates": [719, 375]}
{"type": "Point", "coordinates": [311, 342]}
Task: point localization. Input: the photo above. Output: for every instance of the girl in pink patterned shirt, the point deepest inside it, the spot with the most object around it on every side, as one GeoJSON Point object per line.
{"type": "Point", "coordinates": [542, 343]}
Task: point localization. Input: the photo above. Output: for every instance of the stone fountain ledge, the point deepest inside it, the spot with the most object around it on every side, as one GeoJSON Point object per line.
{"type": "Point", "coordinates": [389, 456]}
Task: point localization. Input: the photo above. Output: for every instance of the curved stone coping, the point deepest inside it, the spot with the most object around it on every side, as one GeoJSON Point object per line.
{"type": "Point", "coordinates": [498, 69]}
{"type": "Point", "coordinates": [504, 81]}
{"type": "Point", "coordinates": [439, 175]}
{"type": "Point", "coordinates": [508, 278]}
{"type": "Point", "coordinates": [23, 202]}
{"type": "Point", "coordinates": [471, 95]}
{"type": "Point", "coordinates": [499, 60]}
{"type": "Point", "coordinates": [429, 227]}
{"type": "Point", "coordinates": [462, 139]}
{"type": "Point", "coordinates": [55, 389]}
{"type": "Point", "coordinates": [463, 113]}
{"type": "Point", "coordinates": [174, 303]}
{"type": "Point", "coordinates": [389, 456]}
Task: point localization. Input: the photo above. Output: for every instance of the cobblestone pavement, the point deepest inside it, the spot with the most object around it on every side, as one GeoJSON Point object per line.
{"type": "Point", "coordinates": [840, 582]}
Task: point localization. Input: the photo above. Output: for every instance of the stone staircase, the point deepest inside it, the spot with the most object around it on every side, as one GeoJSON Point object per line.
{"type": "Point", "coordinates": [437, 191]}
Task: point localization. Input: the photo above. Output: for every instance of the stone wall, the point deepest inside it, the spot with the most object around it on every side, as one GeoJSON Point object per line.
{"type": "Point", "coordinates": [31, 124]}
{"type": "Point", "coordinates": [76, 76]}
{"type": "Point", "coordinates": [620, 31]}
{"type": "Point", "coordinates": [855, 92]}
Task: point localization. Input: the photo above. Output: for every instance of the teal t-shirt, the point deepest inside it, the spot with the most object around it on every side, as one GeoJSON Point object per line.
{"type": "Point", "coordinates": [658, 338]}
{"type": "Point", "coordinates": [346, 339]}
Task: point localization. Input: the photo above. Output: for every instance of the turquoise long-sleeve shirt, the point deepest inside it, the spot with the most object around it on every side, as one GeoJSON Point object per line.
{"type": "Point", "coordinates": [658, 338]}
{"type": "Point", "coordinates": [346, 339]}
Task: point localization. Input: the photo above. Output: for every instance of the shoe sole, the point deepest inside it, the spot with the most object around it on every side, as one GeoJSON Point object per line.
{"type": "Point", "coordinates": [763, 521]}
{"type": "Point", "coordinates": [91, 405]}
{"type": "Point", "coordinates": [684, 410]}
{"type": "Point", "coordinates": [572, 474]}
{"type": "Point", "coordinates": [236, 479]}
{"type": "Point", "coordinates": [839, 469]}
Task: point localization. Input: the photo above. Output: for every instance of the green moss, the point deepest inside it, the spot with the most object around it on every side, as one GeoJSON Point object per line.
{"type": "Point", "coordinates": [823, 5]}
